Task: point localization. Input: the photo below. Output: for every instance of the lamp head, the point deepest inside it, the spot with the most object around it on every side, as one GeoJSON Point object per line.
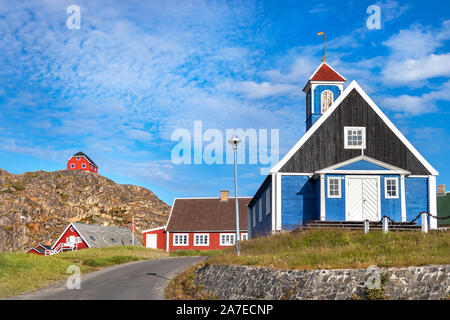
{"type": "Point", "coordinates": [234, 141]}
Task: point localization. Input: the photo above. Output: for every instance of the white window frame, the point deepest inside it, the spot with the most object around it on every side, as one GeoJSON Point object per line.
{"type": "Point", "coordinates": [72, 165]}
{"type": "Point", "coordinates": [386, 195]}
{"type": "Point", "coordinates": [222, 243]}
{"type": "Point", "coordinates": [339, 187]}
{"type": "Point", "coordinates": [268, 196]}
{"type": "Point", "coordinates": [176, 236]}
{"type": "Point", "coordinates": [244, 236]}
{"type": "Point", "coordinates": [347, 146]}
{"type": "Point", "coordinates": [201, 235]}
{"type": "Point", "coordinates": [83, 165]}
{"type": "Point", "coordinates": [260, 209]}
{"type": "Point", "coordinates": [78, 158]}
{"type": "Point", "coordinates": [322, 98]}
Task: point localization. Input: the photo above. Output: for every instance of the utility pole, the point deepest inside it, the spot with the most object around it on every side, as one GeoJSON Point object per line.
{"type": "Point", "coordinates": [132, 230]}
{"type": "Point", "coordinates": [235, 141]}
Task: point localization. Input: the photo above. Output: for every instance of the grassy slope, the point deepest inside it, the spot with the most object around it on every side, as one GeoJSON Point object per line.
{"type": "Point", "coordinates": [334, 249]}
{"type": "Point", "coordinates": [21, 272]}
{"type": "Point", "coordinates": [324, 249]}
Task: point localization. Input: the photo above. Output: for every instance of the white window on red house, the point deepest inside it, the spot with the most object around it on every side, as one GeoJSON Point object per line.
{"type": "Point", "coordinates": [180, 239]}
{"type": "Point", "coordinates": [72, 165]}
{"type": "Point", "coordinates": [244, 236]}
{"type": "Point", "coordinates": [201, 239]}
{"type": "Point", "coordinates": [78, 158]}
{"type": "Point", "coordinates": [83, 165]}
{"type": "Point", "coordinates": [227, 239]}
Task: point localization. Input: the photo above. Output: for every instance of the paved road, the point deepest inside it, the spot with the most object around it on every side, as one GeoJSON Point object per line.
{"type": "Point", "coordinates": [144, 280]}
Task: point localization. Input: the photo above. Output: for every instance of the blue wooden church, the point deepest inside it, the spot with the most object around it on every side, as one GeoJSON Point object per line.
{"type": "Point", "coordinates": [352, 164]}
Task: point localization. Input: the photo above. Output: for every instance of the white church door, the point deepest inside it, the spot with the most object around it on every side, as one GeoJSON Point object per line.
{"type": "Point", "coordinates": [362, 198]}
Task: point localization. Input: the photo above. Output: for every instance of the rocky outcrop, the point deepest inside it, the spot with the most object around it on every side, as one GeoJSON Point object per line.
{"type": "Point", "coordinates": [50, 200]}
{"type": "Point", "coordinates": [242, 282]}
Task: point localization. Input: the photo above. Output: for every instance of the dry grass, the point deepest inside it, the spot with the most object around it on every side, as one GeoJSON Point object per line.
{"type": "Point", "coordinates": [182, 287]}
{"type": "Point", "coordinates": [22, 272]}
{"type": "Point", "coordinates": [336, 249]}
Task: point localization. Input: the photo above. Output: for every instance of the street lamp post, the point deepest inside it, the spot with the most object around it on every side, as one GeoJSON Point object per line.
{"type": "Point", "coordinates": [235, 141]}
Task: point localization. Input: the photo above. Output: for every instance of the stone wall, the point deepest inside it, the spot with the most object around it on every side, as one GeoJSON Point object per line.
{"type": "Point", "coordinates": [242, 282]}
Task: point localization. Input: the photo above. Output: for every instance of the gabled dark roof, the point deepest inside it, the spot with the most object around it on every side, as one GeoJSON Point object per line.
{"type": "Point", "coordinates": [100, 236]}
{"type": "Point", "coordinates": [207, 214]}
{"type": "Point", "coordinates": [82, 154]}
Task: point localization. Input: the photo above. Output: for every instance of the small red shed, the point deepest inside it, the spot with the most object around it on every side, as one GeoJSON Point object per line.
{"type": "Point", "coordinates": [80, 161]}
{"type": "Point", "coordinates": [200, 224]}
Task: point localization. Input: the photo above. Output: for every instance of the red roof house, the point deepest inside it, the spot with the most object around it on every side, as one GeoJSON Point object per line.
{"type": "Point", "coordinates": [200, 224]}
{"type": "Point", "coordinates": [80, 161]}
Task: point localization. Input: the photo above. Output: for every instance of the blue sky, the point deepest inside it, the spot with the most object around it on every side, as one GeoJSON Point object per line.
{"type": "Point", "coordinates": [138, 70]}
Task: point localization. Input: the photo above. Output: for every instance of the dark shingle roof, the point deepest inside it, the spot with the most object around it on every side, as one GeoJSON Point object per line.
{"type": "Point", "coordinates": [101, 236]}
{"type": "Point", "coordinates": [207, 214]}
{"type": "Point", "coordinates": [82, 154]}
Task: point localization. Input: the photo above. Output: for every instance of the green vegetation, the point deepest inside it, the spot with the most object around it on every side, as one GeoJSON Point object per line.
{"type": "Point", "coordinates": [21, 272]}
{"type": "Point", "coordinates": [335, 249]}
{"type": "Point", "coordinates": [195, 253]}
{"type": "Point", "coordinates": [182, 287]}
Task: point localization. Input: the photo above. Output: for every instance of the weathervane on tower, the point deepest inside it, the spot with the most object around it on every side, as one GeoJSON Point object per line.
{"type": "Point", "coordinates": [323, 34]}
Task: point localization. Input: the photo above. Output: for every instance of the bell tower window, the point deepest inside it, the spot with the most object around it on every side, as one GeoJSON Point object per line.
{"type": "Point", "coordinates": [326, 100]}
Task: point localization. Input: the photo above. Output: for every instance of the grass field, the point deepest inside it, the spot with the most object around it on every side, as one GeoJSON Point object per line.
{"type": "Point", "coordinates": [335, 249]}
{"type": "Point", "coordinates": [22, 272]}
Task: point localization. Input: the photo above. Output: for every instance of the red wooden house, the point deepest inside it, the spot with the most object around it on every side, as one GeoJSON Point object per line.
{"type": "Point", "coordinates": [80, 161]}
{"type": "Point", "coordinates": [200, 224]}
{"type": "Point", "coordinates": [81, 236]}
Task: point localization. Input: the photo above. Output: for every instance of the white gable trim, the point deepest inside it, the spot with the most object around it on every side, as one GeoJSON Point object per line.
{"type": "Point", "coordinates": [153, 229]}
{"type": "Point", "coordinates": [318, 123]}
{"type": "Point", "coordinates": [389, 168]}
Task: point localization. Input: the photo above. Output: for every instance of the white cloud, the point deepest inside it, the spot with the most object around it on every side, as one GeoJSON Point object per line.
{"type": "Point", "coordinates": [261, 90]}
{"type": "Point", "coordinates": [413, 58]}
{"type": "Point", "coordinates": [416, 105]}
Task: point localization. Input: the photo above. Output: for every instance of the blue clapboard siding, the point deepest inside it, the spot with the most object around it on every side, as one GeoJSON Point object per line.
{"type": "Point", "coordinates": [361, 165]}
{"type": "Point", "coordinates": [264, 227]}
{"type": "Point", "coordinates": [298, 201]}
{"type": "Point", "coordinates": [391, 207]}
{"type": "Point", "coordinates": [334, 207]}
{"type": "Point", "coordinates": [416, 197]}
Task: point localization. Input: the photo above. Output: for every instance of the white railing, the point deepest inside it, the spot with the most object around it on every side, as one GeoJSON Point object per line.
{"type": "Point", "coordinates": [60, 247]}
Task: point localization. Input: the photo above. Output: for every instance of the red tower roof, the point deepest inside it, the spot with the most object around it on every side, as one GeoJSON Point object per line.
{"type": "Point", "coordinates": [326, 73]}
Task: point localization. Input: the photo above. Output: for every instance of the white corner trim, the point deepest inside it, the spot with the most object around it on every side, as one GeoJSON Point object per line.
{"type": "Point", "coordinates": [403, 197]}
{"type": "Point", "coordinates": [273, 204]}
{"type": "Point", "coordinates": [322, 197]}
{"type": "Point", "coordinates": [278, 203]}
{"type": "Point", "coordinates": [167, 240]}
{"type": "Point", "coordinates": [318, 123]}
{"type": "Point", "coordinates": [432, 201]}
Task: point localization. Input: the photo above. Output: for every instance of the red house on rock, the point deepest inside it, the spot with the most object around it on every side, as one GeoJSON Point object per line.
{"type": "Point", "coordinates": [200, 224]}
{"type": "Point", "coordinates": [80, 161]}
